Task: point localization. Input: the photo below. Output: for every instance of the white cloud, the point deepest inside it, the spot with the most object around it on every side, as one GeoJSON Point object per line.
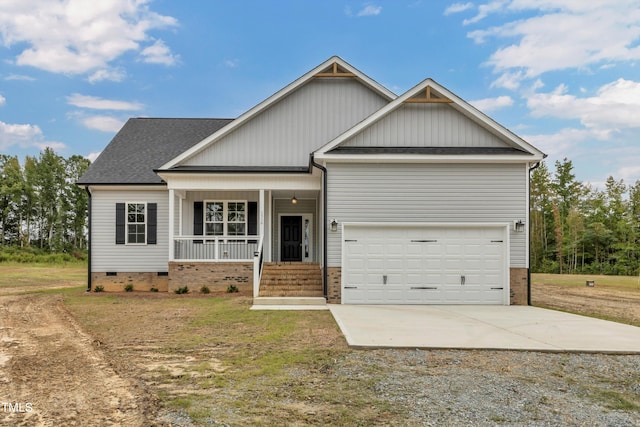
{"type": "Point", "coordinates": [231, 63]}
{"type": "Point", "coordinates": [491, 104]}
{"type": "Point", "coordinates": [95, 103]}
{"type": "Point", "coordinates": [93, 156]}
{"type": "Point", "coordinates": [103, 123]}
{"type": "Point", "coordinates": [3, 100]}
{"type": "Point", "coordinates": [558, 144]}
{"type": "Point", "coordinates": [114, 75]}
{"type": "Point", "coordinates": [615, 107]}
{"type": "Point", "coordinates": [75, 36]}
{"type": "Point", "coordinates": [509, 81]}
{"type": "Point", "coordinates": [25, 136]}
{"type": "Point", "coordinates": [561, 34]}
{"type": "Point", "coordinates": [370, 10]}
{"type": "Point", "coordinates": [159, 53]}
{"type": "Point", "coordinates": [485, 10]}
{"type": "Point", "coordinates": [457, 8]}
{"type": "Point", "coordinates": [19, 77]}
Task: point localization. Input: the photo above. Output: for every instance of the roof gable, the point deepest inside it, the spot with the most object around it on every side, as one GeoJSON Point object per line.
{"type": "Point", "coordinates": [334, 67]}
{"type": "Point", "coordinates": [430, 116]}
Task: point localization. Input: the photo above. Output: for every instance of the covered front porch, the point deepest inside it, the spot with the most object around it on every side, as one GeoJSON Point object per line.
{"type": "Point", "coordinates": [220, 225]}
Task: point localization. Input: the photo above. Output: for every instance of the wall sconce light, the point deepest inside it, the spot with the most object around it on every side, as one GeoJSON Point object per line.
{"type": "Point", "coordinates": [334, 225]}
{"type": "Point", "coordinates": [518, 226]}
{"type": "Point", "coordinates": [294, 201]}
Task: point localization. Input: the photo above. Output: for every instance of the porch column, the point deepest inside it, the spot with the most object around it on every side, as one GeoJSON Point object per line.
{"type": "Point", "coordinates": [172, 201]}
{"type": "Point", "coordinates": [261, 221]}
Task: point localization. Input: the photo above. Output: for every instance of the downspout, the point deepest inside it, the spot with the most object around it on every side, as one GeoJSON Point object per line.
{"type": "Point", "coordinates": [324, 226]}
{"type": "Point", "coordinates": [86, 188]}
{"type": "Point", "coordinates": [531, 169]}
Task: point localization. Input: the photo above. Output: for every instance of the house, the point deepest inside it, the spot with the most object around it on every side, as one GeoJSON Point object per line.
{"type": "Point", "coordinates": [334, 186]}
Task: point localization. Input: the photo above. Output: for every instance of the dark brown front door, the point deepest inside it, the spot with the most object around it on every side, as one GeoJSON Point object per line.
{"type": "Point", "coordinates": [291, 238]}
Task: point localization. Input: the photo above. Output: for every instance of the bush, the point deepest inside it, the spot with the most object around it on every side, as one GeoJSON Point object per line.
{"type": "Point", "coordinates": [154, 289]}
{"type": "Point", "coordinates": [33, 255]}
{"type": "Point", "coordinates": [182, 290]}
{"type": "Point", "coordinates": [98, 288]}
{"type": "Point", "coordinates": [128, 287]}
{"type": "Point", "coordinates": [231, 289]}
{"type": "Point", "coordinates": [205, 290]}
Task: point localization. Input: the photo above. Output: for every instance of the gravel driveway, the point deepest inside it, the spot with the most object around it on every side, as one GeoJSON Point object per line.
{"type": "Point", "coordinates": [482, 388]}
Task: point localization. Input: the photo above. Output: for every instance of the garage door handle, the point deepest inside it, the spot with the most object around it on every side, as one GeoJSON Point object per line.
{"type": "Point", "coordinates": [462, 280]}
{"type": "Point", "coordinates": [423, 241]}
{"type": "Point", "coordinates": [424, 287]}
{"type": "Point", "coordinates": [351, 287]}
{"type": "Point", "coordinates": [495, 289]}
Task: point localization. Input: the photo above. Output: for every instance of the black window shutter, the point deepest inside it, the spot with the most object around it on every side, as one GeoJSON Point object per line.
{"type": "Point", "coordinates": [120, 224]}
{"type": "Point", "coordinates": [152, 223]}
{"type": "Point", "coordinates": [252, 219]}
{"type": "Point", "coordinates": [198, 218]}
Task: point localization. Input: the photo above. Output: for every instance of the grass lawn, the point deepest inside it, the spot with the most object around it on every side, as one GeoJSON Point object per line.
{"type": "Point", "coordinates": [579, 280]}
{"type": "Point", "coordinates": [209, 353]}
{"type": "Point", "coordinates": [17, 278]}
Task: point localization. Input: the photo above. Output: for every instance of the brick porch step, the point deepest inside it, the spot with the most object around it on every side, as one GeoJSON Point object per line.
{"type": "Point", "coordinates": [291, 279]}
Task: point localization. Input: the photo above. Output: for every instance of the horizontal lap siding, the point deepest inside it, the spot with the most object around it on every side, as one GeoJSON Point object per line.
{"type": "Point", "coordinates": [427, 193]}
{"type": "Point", "coordinates": [286, 133]}
{"type": "Point", "coordinates": [106, 255]}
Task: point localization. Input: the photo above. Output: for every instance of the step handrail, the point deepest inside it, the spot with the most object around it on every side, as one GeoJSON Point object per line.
{"type": "Point", "coordinates": [258, 260]}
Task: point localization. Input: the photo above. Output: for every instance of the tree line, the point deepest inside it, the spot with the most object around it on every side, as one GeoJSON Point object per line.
{"type": "Point", "coordinates": [576, 228]}
{"type": "Point", "coordinates": [40, 205]}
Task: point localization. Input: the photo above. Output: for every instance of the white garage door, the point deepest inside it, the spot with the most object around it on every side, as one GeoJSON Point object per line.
{"type": "Point", "coordinates": [397, 264]}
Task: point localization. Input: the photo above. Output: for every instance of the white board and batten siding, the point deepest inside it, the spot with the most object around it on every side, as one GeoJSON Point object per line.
{"type": "Point", "coordinates": [288, 131]}
{"type": "Point", "coordinates": [106, 255]}
{"type": "Point", "coordinates": [425, 125]}
{"type": "Point", "coordinates": [428, 193]}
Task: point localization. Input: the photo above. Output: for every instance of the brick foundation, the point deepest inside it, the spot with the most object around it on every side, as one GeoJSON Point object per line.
{"type": "Point", "coordinates": [217, 276]}
{"type": "Point", "coordinates": [334, 285]}
{"type": "Point", "coordinates": [519, 282]}
{"type": "Point", "coordinates": [140, 281]}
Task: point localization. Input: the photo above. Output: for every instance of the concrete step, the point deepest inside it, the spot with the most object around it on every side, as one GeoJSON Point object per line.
{"type": "Point", "coordinates": [289, 301]}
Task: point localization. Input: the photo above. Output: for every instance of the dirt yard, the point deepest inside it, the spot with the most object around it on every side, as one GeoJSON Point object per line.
{"type": "Point", "coordinates": [133, 359]}
{"type": "Point", "coordinates": [612, 298]}
{"type": "Point", "coordinates": [56, 374]}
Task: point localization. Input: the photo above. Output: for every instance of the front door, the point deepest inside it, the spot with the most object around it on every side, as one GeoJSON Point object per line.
{"type": "Point", "coordinates": [291, 238]}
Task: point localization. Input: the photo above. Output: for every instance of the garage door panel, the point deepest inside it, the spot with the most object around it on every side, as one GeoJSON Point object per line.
{"type": "Point", "coordinates": [459, 265]}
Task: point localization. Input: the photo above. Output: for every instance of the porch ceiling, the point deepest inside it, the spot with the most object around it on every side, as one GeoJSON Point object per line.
{"type": "Point", "coordinates": [300, 194]}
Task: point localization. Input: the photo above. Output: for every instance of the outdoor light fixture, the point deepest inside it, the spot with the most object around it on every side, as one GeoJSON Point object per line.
{"type": "Point", "coordinates": [294, 201]}
{"type": "Point", "coordinates": [518, 226]}
{"type": "Point", "coordinates": [334, 225]}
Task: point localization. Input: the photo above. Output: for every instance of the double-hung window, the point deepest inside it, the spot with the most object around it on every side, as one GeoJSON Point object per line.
{"type": "Point", "coordinates": [136, 223]}
{"type": "Point", "coordinates": [223, 218]}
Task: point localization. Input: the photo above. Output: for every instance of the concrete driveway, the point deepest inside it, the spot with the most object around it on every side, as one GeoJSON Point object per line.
{"type": "Point", "coordinates": [481, 327]}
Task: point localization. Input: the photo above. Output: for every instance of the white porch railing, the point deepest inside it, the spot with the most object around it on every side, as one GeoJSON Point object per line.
{"type": "Point", "coordinates": [215, 248]}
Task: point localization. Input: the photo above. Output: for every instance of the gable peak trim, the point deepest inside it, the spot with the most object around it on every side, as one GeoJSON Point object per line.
{"type": "Point", "coordinates": [428, 97]}
{"type": "Point", "coordinates": [335, 70]}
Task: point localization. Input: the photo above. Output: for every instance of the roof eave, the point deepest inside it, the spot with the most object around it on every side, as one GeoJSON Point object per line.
{"type": "Point", "coordinates": [423, 158]}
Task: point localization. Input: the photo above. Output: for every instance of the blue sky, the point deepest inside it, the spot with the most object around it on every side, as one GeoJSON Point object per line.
{"type": "Point", "coordinates": [563, 74]}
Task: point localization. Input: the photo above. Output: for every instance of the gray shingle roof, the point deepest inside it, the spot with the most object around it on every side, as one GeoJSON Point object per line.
{"type": "Point", "coordinates": [143, 145]}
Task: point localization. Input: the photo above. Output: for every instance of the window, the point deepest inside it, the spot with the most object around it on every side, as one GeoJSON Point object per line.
{"type": "Point", "coordinates": [225, 218]}
{"type": "Point", "coordinates": [136, 223]}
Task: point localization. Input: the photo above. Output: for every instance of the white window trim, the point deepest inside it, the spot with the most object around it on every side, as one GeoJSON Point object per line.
{"type": "Point", "coordinates": [126, 223]}
{"type": "Point", "coordinates": [225, 219]}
